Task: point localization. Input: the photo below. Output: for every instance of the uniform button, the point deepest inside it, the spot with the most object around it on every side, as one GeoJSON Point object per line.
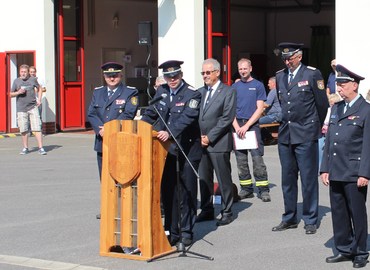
{"type": "Point", "coordinates": [288, 94]}
{"type": "Point", "coordinates": [178, 111]}
{"type": "Point", "coordinates": [288, 102]}
{"type": "Point", "coordinates": [334, 154]}
{"type": "Point", "coordinates": [169, 113]}
{"type": "Point", "coordinates": [359, 158]}
{"type": "Point", "coordinates": [108, 109]}
{"type": "Point", "coordinates": [288, 122]}
{"type": "Point", "coordinates": [190, 140]}
{"type": "Point", "coordinates": [354, 123]}
{"type": "Point", "coordinates": [288, 111]}
{"type": "Point", "coordinates": [340, 125]}
{"type": "Point", "coordinates": [335, 143]}
{"type": "Point", "coordinates": [336, 134]}
{"type": "Point", "coordinates": [106, 117]}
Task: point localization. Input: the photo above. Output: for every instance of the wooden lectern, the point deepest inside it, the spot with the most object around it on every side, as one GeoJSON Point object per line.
{"type": "Point", "coordinates": [131, 224]}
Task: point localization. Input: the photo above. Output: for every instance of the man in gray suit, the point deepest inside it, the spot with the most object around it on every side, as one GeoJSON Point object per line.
{"type": "Point", "coordinates": [217, 112]}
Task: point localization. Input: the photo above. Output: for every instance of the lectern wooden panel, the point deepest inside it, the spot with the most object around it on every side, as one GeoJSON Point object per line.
{"type": "Point", "coordinates": [133, 160]}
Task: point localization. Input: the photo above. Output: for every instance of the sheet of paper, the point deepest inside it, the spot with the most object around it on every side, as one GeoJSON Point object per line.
{"type": "Point", "coordinates": [248, 142]}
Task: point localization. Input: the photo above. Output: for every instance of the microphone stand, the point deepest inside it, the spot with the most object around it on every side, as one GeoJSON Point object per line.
{"type": "Point", "coordinates": [181, 247]}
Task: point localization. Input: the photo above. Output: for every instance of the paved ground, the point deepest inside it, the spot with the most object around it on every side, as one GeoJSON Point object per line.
{"type": "Point", "coordinates": [48, 207]}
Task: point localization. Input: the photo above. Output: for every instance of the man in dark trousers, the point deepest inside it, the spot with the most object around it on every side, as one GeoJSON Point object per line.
{"type": "Point", "coordinates": [304, 103]}
{"type": "Point", "coordinates": [111, 102]}
{"type": "Point", "coordinates": [217, 112]}
{"type": "Point", "coordinates": [346, 169]}
{"type": "Point", "coordinates": [179, 107]}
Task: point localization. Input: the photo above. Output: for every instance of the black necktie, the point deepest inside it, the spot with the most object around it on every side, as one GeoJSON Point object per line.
{"type": "Point", "coordinates": [110, 93]}
{"type": "Point", "coordinates": [346, 107]}
{"type": "Point", "coordinates": [208, 97]}
{"type": "Point", "coordinates": [290, 78]}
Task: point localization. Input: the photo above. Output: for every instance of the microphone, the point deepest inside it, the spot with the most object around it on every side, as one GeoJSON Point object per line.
{"type": "Point", "coordinates": [155, 100]}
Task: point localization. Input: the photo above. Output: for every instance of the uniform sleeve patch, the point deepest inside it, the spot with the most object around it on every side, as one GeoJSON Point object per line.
{"type": "Point", "coordinates": [193, 103]}
{"type": "Point", "coordinates": [134, 101]}
{"type": "Point", "coordinates": [120, 101]}
{"type": "Point", "coordinates": [320, 84]}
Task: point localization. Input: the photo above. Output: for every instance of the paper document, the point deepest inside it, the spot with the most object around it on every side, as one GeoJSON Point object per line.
{"type": "Point", "coordinates": [248, 142]}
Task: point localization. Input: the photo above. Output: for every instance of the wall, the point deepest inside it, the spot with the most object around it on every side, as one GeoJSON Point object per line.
{"type": "Point", "coordinates": [125, 37]}
{"type": "Point", "coordinates": [352, 38]}
{"type": "Point", "coordinates": [181, 36]}
{"type": "Point", "coordinates": [25, 30]}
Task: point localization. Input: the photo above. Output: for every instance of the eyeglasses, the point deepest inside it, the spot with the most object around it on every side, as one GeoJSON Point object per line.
{"type": "Point", "coordinates": [291, 59]}
{"type": "Point", "coordinates": [208, 72]}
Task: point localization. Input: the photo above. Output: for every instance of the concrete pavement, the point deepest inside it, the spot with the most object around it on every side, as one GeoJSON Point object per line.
{"type": "Point", "coordinates": [48, 207]}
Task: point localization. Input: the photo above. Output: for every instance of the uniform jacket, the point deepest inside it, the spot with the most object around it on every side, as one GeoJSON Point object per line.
{"type": "Point", "coordinates": [215, 120]}
{"type": "Point", "coordinates": [121, 106]}
{"type": "Point", "coordinates": [304, 104]}
{"type": "Point", "coordinates": [180, 115]}
{"type": "Point", "coordinates": [347, 145]}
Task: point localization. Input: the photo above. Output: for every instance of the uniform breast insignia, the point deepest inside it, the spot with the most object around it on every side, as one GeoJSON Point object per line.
{"type": "Point", "coordinates": [120, 101]}
{"type": "Point", "coordinates": [120, 111]}
{"type": "Point", "coordinates": [162, 103]}
{"type": "Point", "coordinates": [134, 101]}
{"type": "Point", "coordinates": [320, 84]}
{"type": "Point", "coordinates": [179, 104]}
{"type": "Point", "coordinates": [193, 104]}
{"type": "Point", "coordinates": [353, 117]}
{"type": "Point", "coordinates": [312, 68]}
{"type": "Point", "coordinates": [333, 116]}
{"type": "Point", "coordinates": [302, 83]}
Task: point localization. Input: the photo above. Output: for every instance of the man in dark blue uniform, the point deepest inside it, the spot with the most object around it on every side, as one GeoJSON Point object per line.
{"type": "Point", "coordinates": [110, 102]}
{"type": "Point", "coordinates": [346, 169]}
{"type": "Point", "coordinates": [179, 107]}
{"type": "Point", "coordinates": [304, 103]}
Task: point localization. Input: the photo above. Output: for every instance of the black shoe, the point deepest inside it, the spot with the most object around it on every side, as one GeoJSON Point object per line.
{"type": "Point", "coordinates": [337, 258]}
{"type": "Point", "coordinates": [98, 216]}
{"type": "Point", "coordinates": [284, 226]}
{"type": "Point", "coordinates": [359, 263]}
{"type": "Point", "coordinates": [225, 220]}
{"type": "Point", "coordinates": [310, 229]}
{"type": "Point", "coordinates": [205, 216]}
{"type": "Point", "coordinates": [245, 194]}
{"type": "Point", "coordinates": [187, 241]}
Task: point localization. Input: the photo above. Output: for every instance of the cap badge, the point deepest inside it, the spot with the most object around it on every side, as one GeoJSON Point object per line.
{"type": "Point", "coordinates": [286, 50]}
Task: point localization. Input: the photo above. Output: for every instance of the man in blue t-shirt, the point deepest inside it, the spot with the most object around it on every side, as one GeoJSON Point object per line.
{"type": "Point", "coordinates": [250, 97]}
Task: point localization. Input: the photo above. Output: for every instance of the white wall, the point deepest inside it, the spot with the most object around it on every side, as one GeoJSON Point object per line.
{"type": "Point", "coordinates": [24, 26]}
{"type": "Point", "coordinates": [352, 38]}
{"type": "Point", "coordinates": [181, 36]}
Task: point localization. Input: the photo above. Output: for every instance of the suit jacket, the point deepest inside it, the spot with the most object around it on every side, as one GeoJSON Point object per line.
{"type": "Point", "coordinates": [346, 153]}
{"type": "Point", "coordinates": [303, 103]}
{"type": "Point", "coordinates": [121, 106]}
{"type": "Point", "coordinates": [181, 115]}
{"type": "Point", "coordinates": [215, 120]}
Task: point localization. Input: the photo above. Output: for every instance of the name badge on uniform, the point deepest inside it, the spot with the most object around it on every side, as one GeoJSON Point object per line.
{"type": "Point", "coordinates": [162, 103]}
{"type": "Point", "coordinates": [333, 116]}
{"type": "Point", "coordinates": [302, 83]}
{"type": "Point", "coordinates": [179, 104]}
{"type": "Point", "coordinates": [120, 101]}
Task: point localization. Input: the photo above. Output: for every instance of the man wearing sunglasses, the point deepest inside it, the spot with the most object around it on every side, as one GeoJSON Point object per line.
{"type": "Point", "coordinates": [304, 103]}
{"type": "Point", "coordinates": [217, 112]}
{"type": "Point", "coordinates": [345, 169]}
{"type": "Point", "coordinates": [113, 101]}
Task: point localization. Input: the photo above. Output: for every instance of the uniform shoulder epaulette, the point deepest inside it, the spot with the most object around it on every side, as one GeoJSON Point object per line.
{"type": "Point", "coordinates": [131, 87]}
{"type": "Point", "coordinates": [192, 88]}
{"type": "Point", "coordinates": [96, 88]}
{"type": "Point", "coordinates": [313, 68]}
{"type": "Point", "coordinates": [279, 71]}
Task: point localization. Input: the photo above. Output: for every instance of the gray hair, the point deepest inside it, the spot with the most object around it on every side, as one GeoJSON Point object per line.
{"type": "Point", "coordinates": [216, 65]}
